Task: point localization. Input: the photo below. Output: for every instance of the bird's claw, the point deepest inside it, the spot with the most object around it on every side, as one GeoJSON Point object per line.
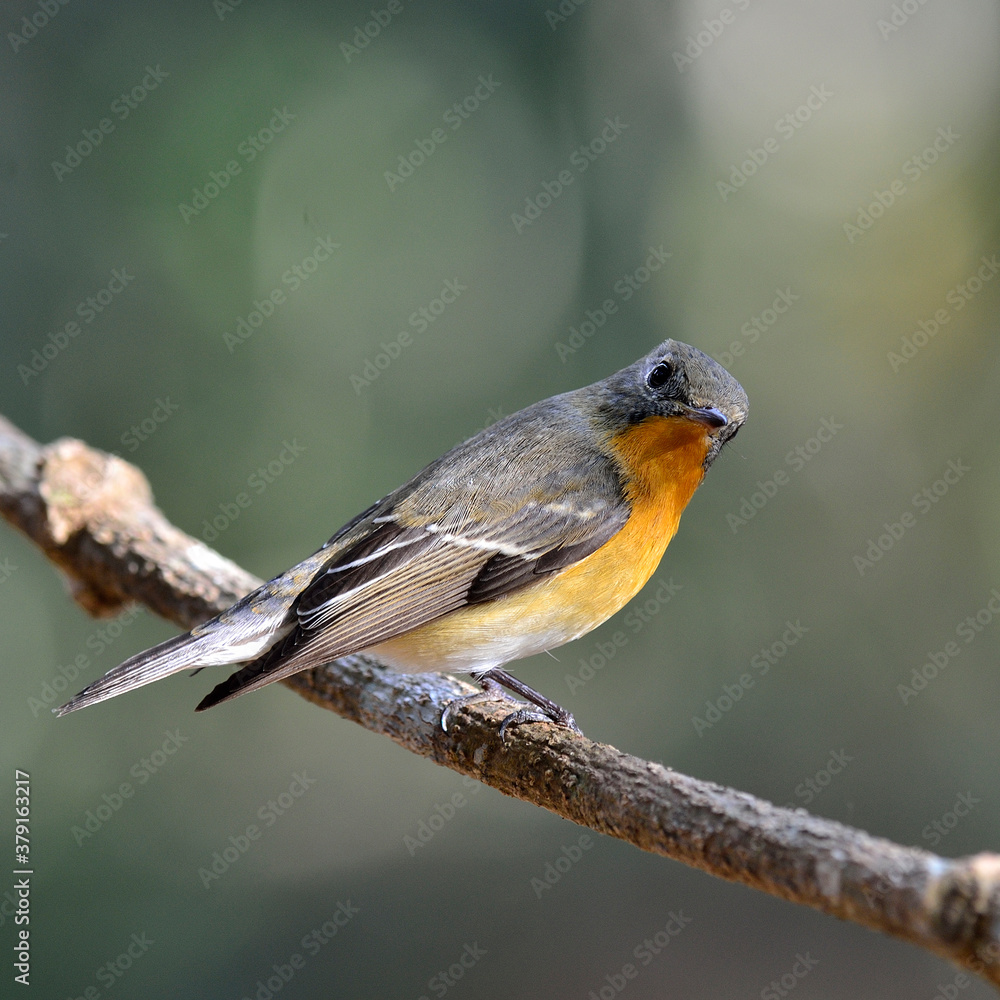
{"type": "Point", "coordinates": [493, 691]}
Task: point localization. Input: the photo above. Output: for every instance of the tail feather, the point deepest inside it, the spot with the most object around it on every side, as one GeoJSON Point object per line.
{"type": "Point", "coordinates": [211, 646]}
{"type": "Point", "coordinates": [178, 653]}
{"type": "Point", "coordinates": [243, 632]}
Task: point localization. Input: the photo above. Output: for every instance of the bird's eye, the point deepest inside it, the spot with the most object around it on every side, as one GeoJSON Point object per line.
{"type": "Point", "coordinates": [660, 375]}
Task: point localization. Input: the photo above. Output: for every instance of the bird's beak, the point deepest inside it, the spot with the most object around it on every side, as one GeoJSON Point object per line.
{"type": "Point", "coordinates": [707, 415]}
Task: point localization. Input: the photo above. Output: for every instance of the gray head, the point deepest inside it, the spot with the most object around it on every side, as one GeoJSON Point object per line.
{"type": "Point", "coordinates": [674, 380]}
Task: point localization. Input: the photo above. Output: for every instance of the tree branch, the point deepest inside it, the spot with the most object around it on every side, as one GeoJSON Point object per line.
{"type": "Point", "coordinates": [92, 514]}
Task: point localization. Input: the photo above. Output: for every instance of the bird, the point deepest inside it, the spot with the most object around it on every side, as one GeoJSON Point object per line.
{"type": "Point", "coordinates": [526, 536]}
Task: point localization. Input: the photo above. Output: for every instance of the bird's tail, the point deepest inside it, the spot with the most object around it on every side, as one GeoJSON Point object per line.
{"type": "Point", "coordinates": [242, 633]}
{"type": "Point", "coordinates": [176, 654]}
{"type": "Point", "coordinates": [217, 642]}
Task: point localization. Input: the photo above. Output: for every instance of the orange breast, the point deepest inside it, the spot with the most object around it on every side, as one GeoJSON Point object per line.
{"type": "Point", "coordinates": [663, 459]}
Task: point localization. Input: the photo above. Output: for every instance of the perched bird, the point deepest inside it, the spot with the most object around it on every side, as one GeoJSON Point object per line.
{"type": "Point", "coordinates": [527, 536]}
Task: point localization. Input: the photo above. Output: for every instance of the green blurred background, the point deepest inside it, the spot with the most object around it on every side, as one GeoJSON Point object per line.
{"type": "Point", "coordinates": [699, 98]}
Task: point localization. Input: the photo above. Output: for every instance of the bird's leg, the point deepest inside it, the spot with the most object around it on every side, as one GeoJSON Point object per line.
{"type": "Point", "coordinates": [493, 682]}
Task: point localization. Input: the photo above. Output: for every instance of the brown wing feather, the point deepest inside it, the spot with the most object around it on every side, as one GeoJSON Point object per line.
{"type": "Point", "coordinates": [374, 613]}
{"type": "Point", "coordinates": [410, 561]}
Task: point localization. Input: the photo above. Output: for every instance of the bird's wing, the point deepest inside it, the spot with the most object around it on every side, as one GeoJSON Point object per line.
{"type": "Point", "coordinates": [408, 570]}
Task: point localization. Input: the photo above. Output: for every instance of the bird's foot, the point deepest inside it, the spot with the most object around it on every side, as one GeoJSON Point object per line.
{"type": "Point", "coordinates": [493, 682]}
